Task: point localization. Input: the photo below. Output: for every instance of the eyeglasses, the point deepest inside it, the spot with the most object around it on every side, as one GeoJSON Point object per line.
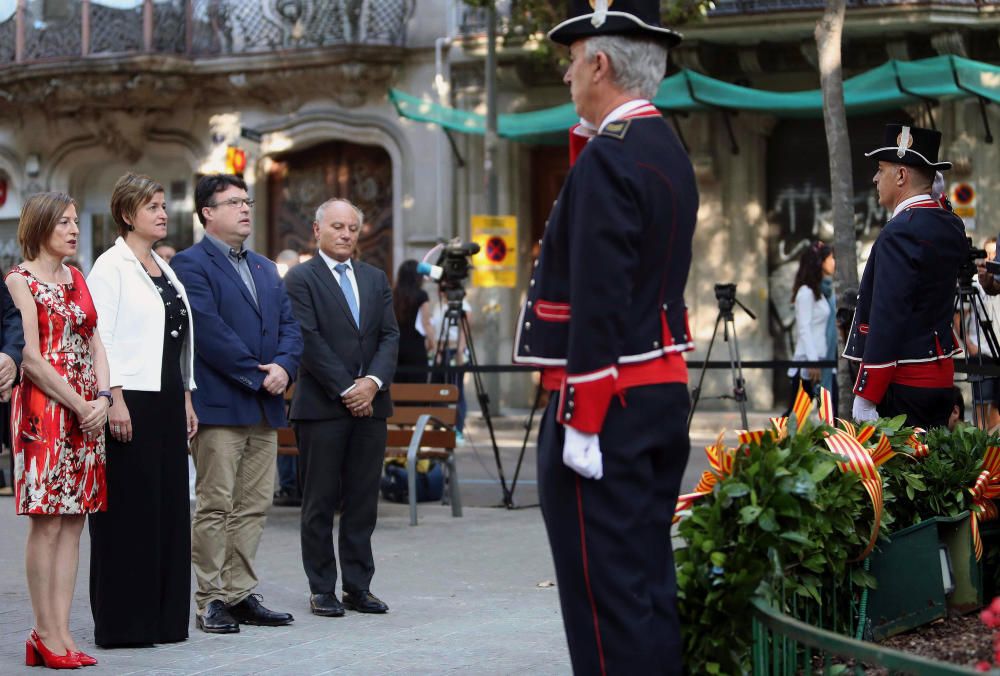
{"type": "Point", "coordinates": [235, 202]}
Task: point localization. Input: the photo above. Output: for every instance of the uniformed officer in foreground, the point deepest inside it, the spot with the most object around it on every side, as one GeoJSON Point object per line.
{"type": "Point", "coordinates": [605, 317]}
{"type": "Point", "coordinates": [902, 329]}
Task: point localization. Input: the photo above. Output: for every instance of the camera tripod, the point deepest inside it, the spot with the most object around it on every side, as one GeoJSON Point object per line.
{"type": "Point", "coordinates": [968, 305]}
{"type": "Point", "coordinates": [455, 318]}
{"type": "Point", "coordinates": [725, 294]}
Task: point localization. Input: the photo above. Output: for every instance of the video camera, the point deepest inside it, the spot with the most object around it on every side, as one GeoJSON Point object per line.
{"type": "Point", "coordinates": [967, 270]}
{"type": "Point", "coordinates": [725, 294]}
{"type": "Point", "coordinates": [453, 265]}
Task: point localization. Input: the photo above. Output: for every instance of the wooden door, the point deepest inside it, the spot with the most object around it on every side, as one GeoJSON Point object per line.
{"type": "Point", "coordinates": [300, 181]}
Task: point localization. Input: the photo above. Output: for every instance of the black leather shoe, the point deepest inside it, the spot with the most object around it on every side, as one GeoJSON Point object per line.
{"type": "Point", "coordinates": [326, 605]}
{"type": "Point", "coordinates": [287, 497]}
{"type": "Point", "coordinates": [251, 611]}
{"type": "Point", "coordinates": [217, 619]}
{"type": "Point", "coordinates": [364, 602]}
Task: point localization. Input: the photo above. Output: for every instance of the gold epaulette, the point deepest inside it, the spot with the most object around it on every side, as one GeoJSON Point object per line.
{"type": "Point", "coordinates": [616, 129]}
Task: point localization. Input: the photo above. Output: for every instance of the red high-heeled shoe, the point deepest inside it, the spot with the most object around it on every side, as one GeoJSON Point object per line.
{"type": "Point", "coordinates": [36, 654]}
{"type": "Point", "coordinates": [84, 659]}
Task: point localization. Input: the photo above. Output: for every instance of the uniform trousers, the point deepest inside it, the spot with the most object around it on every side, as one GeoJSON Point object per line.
{"type": "Point", "coordinates": [234, 487]}
{"type": "Point", "coordinates": [924, 407]}
{"type": "Point", "coordinates": [610, 538]}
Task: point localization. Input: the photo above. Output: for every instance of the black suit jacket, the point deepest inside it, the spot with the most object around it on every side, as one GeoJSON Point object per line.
{"type": "Point", "coordinates": [336, 351]}
{"type": "Point", "coordinates": [11, 331]}
{"type": "Point", "coordinates": [11, 343]}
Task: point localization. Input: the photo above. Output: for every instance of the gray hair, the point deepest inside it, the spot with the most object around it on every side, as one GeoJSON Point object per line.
{"type": "Point", "coordinates": [322, 207]}
{"type": "Point", "coordinates": [637, 64]}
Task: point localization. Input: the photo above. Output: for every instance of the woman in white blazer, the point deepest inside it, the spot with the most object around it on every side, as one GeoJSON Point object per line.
{"type": "Point", "coordinates": [815, 318]}
{"type": "Point", "coordinates": [140, 554]}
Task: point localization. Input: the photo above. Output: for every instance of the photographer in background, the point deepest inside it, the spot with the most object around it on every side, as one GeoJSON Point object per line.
{"type": "Point", "coordinates": [986, 398]}
{"type": "Point", "coordinates": [902, 329]}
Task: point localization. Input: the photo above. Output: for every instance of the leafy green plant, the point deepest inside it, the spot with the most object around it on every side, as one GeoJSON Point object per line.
{"type": "Point", "coordinates": [936, 485]}
{"type": "Point", "coordinates": [786, 517]}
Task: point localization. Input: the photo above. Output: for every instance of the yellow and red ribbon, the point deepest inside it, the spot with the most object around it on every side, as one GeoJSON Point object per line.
{"type": "Point", "coordinates": [720, 459]}
{"type": "Point", "coordinates": [986, 488]}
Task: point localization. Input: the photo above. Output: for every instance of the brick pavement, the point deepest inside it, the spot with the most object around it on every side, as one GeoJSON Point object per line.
{"type": "Point", "coordinates": [464, 593]}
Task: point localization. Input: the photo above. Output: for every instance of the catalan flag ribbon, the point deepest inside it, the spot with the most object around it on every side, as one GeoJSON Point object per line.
{"type": "Point", "coordinates": [720, 459]}
{"type": "Point", "coordinates": [920, 449]}
{"type": "Point", "coordinates": [986, 488]}
{"type": "Point", "coordinates": [802, 406]}
{"type": "Point", "coordinates": [856, 458]}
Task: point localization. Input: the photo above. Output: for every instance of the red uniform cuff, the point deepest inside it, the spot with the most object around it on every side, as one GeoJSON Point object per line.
{"type": "Point", "coordinates": [584, 399]}
{"type": "Point", "coordinates": [873, 380]}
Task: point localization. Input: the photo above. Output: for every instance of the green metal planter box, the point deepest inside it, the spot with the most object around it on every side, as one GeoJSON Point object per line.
{"type": "Point", "coordinates": [912, 574]}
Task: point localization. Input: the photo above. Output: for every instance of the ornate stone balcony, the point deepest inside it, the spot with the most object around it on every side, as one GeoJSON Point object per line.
{"type": "Point", "coordinates": [34, 31]}
{"type": "Point", "coordinates": [264, 49]}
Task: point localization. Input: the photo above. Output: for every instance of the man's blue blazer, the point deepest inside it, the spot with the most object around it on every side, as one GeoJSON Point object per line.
{"type": "Point", "coordinates": [233, 335]}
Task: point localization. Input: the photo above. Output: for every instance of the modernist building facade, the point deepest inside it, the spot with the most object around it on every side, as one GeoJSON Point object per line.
{"type": "Point", "coordinates": [90, 89]}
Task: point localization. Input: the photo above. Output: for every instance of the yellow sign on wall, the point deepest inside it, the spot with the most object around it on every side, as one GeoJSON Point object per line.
{"type": "Point", "coordinates": [496, 263]}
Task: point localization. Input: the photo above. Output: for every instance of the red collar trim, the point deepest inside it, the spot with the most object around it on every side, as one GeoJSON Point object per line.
{"type": "Point", "coordinates": [924, 204]}
{"type": "Point", "coordinates": [648, 110]}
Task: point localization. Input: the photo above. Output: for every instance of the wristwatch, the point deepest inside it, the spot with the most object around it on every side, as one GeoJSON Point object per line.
{"type": "Point", "coordinates": [107, 394]}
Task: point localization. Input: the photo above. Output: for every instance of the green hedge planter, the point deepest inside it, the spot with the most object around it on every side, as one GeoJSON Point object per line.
{"type": "Point", "coordinates": [911, 582]}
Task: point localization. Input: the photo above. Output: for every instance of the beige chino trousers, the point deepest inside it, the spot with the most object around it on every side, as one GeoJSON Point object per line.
{"type": "Point", "coordinates": [235, 467]}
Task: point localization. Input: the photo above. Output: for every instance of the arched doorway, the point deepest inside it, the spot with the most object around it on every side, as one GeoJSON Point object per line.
{"type": "Point", "coordinates": [300, 181]}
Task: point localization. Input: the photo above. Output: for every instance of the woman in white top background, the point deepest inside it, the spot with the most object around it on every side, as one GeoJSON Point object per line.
{"type": "Point", "coordinates": [140, 579]}
{"type": "Point", "coordinates": [815, 319]}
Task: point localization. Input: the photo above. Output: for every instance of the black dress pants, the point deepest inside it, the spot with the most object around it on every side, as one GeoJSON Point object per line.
{"type": "Point", "coordinates": [610, 538]}
{"type": "Point", "coordinates": [340, 462]}
{"type": "Point", "coordinates": [924, 407]}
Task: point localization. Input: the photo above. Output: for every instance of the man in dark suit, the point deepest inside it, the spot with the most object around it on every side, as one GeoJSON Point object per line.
{"type": "Point", "coordinates": [247, 351]}
{"type": "Point", "coordinates": [902, 330]}
{"type": "Point", "coordinates": [605, 317]}
{"type": "Point", "coordinates": [11, 344]}
{"type": "Point", "coordinates": [340, 405]}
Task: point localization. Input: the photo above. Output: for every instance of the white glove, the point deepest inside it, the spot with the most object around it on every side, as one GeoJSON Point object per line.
{"type": "Point", "coordinates": [582, 453]}
{"type": "Point", "coordinates": [864, 410]}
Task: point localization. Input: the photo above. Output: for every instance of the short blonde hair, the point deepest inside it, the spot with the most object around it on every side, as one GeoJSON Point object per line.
{"type": "Point", "coordinates": [38, 220]}
{"type": "Point", "coordinates": [131, 193]}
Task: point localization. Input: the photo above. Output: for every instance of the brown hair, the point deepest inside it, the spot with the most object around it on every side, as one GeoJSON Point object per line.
{"type": "Point", "coordinates": [131, 193]}
{"type": "Point", "coordinates": [39, 217]}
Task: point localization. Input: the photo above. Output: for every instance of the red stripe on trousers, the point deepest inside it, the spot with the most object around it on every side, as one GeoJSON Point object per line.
{"type": "Point", "coordinates": [586, 575]}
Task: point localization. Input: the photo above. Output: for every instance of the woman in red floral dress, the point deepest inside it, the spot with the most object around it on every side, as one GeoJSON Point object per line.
{"type": "Point", "coordinates": [58, 411]}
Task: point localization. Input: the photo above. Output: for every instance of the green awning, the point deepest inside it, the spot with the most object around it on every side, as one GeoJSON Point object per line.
{"type": "Point", "coordinates": [889, 86]}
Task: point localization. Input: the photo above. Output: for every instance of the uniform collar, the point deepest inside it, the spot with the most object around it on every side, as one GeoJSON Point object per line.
{"type": "Point", "coordinates": [910, 201]}
{"type": "Point", "coordinates": [623, 111]}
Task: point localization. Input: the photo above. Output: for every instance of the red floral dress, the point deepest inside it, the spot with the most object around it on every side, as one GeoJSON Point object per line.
{"type": "Point", "coordinates": [57, 470]}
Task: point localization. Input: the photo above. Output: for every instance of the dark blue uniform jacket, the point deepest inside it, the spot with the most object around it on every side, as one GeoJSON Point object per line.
{"type": "Point", "coordinates": [906, 300]}
{"type": "Point", "coordinates": [608, 286]}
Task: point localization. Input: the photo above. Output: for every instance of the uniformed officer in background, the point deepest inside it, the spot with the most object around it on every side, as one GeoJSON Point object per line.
{"type": "Point", "coordinates": [605, 317]}
{"type": "Point", "coordinates": [902, 329]}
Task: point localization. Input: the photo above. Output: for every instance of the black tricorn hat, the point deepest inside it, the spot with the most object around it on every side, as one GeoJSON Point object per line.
{"type": "Point", "coordinates": [588, 18]}
{"type": "Point", "coordinates": [912, 146]}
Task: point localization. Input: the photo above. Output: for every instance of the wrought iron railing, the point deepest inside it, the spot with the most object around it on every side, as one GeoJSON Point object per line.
{"type": "Point", "coordinates": [734, 7]}
{"type": "Point", "coordinates": [53, 30]}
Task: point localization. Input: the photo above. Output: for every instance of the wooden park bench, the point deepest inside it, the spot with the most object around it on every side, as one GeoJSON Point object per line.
{"type": "Point", "coordinates": [422, 427]}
